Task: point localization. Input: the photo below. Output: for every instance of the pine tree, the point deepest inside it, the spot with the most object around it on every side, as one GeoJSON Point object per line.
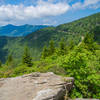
{"type": "Point", "coordinates": [0, 63]}
{"type": "Point", "coordinates": [26, 59]}
{"type": "Point", "coordinates": [71, 45]}
{"type": "Point", "coordinates": [62, 47]}
{"type": "Point", "coordinates": [96, 32]}
{"type": "Point", "coordinates": [51, 48]}
{"type": "Point", "coordinates": [45, 52]}
{"type": "Point", "coordinates": [9, 60]}
{"type": "Point", "coordinates": [88, 39]}
{"type": "Point", "coordinates": [89, 42]}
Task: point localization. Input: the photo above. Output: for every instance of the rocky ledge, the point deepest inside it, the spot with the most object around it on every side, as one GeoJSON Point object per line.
{"type": "Point", "coordinates": [35, 86]}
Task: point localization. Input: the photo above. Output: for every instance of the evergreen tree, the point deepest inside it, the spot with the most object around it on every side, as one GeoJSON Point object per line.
{"type": "Point", "coordinates": [89, 42]}
{"type": "Point", "coordinates": [27, 58]}
{"type": "Point", "coordinates": [71, 45]}
{"type": "Point", "coordinates": [96, 32]}
{"type": "Point", "coordinates": [88, 39]}
{"type": "Point", "coordinates": [51, 48]}
{"type": "Point", "coordinates": [9, 60]}
{"type": "Point", "coordinates": [45, 52]}
{"type": "Point", "coordinates": [62, 47]}
{"type": "Point", "coordinates": [0, 63]}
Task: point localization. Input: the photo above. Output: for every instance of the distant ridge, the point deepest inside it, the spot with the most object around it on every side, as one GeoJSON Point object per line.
{"type": "Point", "coordinates": [23, 30]}
{"type": "Point", "coordinates": [36, 40]}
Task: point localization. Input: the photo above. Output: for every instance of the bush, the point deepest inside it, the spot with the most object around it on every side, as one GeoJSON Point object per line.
{"type": "Point", "coordinates": [22, 69]}
{"type": "Point", "coordinates": [80, 64]}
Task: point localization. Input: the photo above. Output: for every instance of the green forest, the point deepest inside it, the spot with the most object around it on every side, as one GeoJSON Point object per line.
{"type": "Point", "coordinates": [71, 50]}
{"type": "Point", "coordinates": [36, 40]}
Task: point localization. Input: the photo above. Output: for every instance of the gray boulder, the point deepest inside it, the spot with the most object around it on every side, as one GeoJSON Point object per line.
{"type": "Point", "coordinates": [35, 86]}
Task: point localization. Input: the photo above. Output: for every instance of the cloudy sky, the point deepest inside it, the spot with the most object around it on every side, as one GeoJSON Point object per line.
{"type": "Point", "coordinates": [49, 12]}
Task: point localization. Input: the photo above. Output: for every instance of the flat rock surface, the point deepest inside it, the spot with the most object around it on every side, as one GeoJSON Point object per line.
{"type": "Point", "coordinates": [35, 86]}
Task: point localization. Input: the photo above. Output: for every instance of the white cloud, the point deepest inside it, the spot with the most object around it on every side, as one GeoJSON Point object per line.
{"type": "Point", "coordinates": [31, 10]}
{"type": "Point", "coordinates": [46, 9]}
{"type": "Point", "coordinates": [49, 22]}
{"type": "Point", "coordinates": [42, 9]}
{"type": "Point", "coordinates": [77, 5]}
{"type": "Point", "coordinates": [90, 2]}
{"type": "Point", "coordinates": [93, 4]}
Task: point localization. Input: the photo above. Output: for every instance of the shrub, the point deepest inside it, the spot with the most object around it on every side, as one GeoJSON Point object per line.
{"type": "Point", "coordinates": [78, 64]}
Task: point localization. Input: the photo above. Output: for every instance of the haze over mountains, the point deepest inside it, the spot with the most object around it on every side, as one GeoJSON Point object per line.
{"type": "Point", "coordinates": [36, 40]}
{"type": "Point", "coordinates": [49, 36]}
{"type": "Point", "coordinates": [23, 30]}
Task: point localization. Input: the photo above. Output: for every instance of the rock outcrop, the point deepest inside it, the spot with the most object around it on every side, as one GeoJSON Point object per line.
{"type": "Point", "coordinates": [35, 86]}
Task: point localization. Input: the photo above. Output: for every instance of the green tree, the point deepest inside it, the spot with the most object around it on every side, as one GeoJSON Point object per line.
{"type": "Point", "coordinates": [9, 60]}
{"type": "Point", "coordinates": [44, 52]}
{"type": "Point", "coordinates": [51, 48]}
{"type": "Point", "coordinates": [27, 59]}
{"type": "Point", "coordinates": [62, 47]}
{"type": "Point", "coordinates": [0, 63]}
{"type": "Point", "coordinates": [96, 32]}
{"type": "Point", "coordinates": [89, 42]}
{"type": "Point", "coordinates": [71, 44]}
{"type": "Point", "coordinates": [83, 65]}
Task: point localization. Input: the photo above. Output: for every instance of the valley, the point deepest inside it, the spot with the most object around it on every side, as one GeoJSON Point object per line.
{"type": "Point", "coordinates": [69, 50]}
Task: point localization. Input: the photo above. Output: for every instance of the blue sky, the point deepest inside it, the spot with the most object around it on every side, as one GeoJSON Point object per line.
{"type": "Point", "coordinates": [45, 12]}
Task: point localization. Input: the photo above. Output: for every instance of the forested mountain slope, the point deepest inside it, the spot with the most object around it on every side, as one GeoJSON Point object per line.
{"type": "Point", "coordinates": [23, 30]}
{"type": "Point", "coordinates": [73, 30]}
{"type": "Point", "coordinates": [36, 40]}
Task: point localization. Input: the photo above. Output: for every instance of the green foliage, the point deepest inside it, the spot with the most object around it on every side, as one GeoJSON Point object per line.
{"type": "Point", "coordinates": [0, 64]}
{"type": "Point", "coordinates": [37, 40]}
{"type": "Point", "coordinates": [97, 33]}
{"type": "Point", "coordinates": [48, 51]}
{"type": "Point", "coordinates": [51, 48]}
{"type": "Point", "coordinates": [71, 44]}
{"type": "Point", "coordinates": [22, 69]}
{"type": "Point", "coordinates": [26, 59]}
{"type": "Point", "coordinates": [78, 65]}
{"type": "Point", "coordinates": [44, 52]}
{"type": "Point", "coordinates": [81, 62]}
{"type": "Point", "coordinates": [89, 42]}
{"type": "Point", "coordinates": [62, 47]}
{"type": "Point", "coordinates": [10, 61]}
{"type": "Point", "coordinates": [5, 71]}
{"type": "Point", "coordinates": [73, 57]}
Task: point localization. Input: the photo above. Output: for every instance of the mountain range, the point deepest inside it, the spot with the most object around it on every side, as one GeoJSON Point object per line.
{"type": "Point", "coordinates": [23, 30]}
{"type": "Point", "coordinates": [36, 40]}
